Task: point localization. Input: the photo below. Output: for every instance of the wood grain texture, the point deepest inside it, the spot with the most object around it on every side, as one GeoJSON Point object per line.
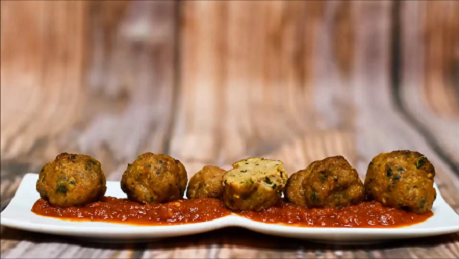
{"type": "Point", "coordinates": [213, 82]}
{"type": "Point", "coordinates": [427, 79]}
{"type": "Point", "coordinates": [441, 43]}
{"type": "Point", "coordinates": [41, 75]}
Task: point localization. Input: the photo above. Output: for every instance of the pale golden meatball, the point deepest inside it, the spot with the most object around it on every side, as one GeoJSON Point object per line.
{"type": "Point", "coordinates": [154, 178]}
{"type": "Point", "coordinates": [328, 183]}
{"type": "Point", "coordinates": [71, 180]}
{"type": "Point", "coordinates": [206, 183]}
{"type": "Point", "coordinates": [254, 184]}
{"type": "Point", "coordinates": [401, 179]}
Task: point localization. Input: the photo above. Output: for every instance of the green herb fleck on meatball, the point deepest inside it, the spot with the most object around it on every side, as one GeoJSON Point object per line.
{"type": "Point", "coordinates": [421, 161]}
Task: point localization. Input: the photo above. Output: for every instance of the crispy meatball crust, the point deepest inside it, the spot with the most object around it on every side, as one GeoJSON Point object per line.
{"type": "Point", "coordinates": [206, 183]}
{"type": "Point", "coordinates": [254, 184]}
{"type": "Point", "coordinates": [154, 178]}
{"type": "Point", "coordinates": [71, 180]}
{"type": "Point", "coordinates": [401, 179]}
{"type": "Point", "coordinates": [328, 183]}
{"type": "Point", "coordinates": [294, 191]}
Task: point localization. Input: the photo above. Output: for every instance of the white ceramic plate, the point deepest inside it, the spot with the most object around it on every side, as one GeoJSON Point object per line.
{"type": "Point", "coordinates": [18, 215]}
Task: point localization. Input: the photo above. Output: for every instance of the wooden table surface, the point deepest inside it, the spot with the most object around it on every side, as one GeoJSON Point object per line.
{"type": "Point", "coordinates": [205, 89]}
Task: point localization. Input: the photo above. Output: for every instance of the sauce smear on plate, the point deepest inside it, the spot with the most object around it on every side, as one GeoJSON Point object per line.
{"type": "Point", "coordinates": [115, 210]}
{"type": "Point", "coordinates": [363, 215]}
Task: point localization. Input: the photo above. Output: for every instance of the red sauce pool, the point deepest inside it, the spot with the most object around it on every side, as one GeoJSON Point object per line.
{"type": "Point", "coordinates": [115, 210]}
{"type": "Point", "coordinates": [363, 215]}
{"type": "Point", "coordinates": [109, 209]}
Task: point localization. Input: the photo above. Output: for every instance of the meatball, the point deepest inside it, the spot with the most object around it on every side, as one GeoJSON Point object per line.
{"type": "Point", "coordinates": [254, 184]}
{"type": "Point", "coordinates": [154, 178]}
{"type": "Point", "coordinates": [294, 191]}
{"type": "Point", "coordinates": [206, 183]}
{"type": "Point", "coordinates": [71, 180]}
{"type": "Point", "coordinates": [401, 179]}
{"type": "Point", "coordinates": [328, 183]}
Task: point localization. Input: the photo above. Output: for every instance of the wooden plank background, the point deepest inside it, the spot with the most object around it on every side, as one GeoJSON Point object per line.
{"type": "Point", "coordinates": [213, 82]}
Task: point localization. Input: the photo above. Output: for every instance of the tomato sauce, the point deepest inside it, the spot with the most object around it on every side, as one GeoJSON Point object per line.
{"type": "Point", "coordinates": [113, 210]}
{"type": "Point", "coordinates": [363, 215]}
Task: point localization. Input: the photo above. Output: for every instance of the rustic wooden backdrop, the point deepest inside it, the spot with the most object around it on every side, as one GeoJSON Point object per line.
{"type": "Point", "coordinates": [212, 82]}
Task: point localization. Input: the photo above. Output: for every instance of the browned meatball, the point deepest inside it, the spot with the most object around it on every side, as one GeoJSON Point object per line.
{"type": "Point", "coordinates": [71, 180]}
{"type": "Point", "coordinates": [206, 183]}
{"type": "Point", "coordinates": [401, 179]}
{"type": "Point", "coordinates": [328, 183]}
{"type": "Point", "coordinates": [154, 178]}
{"type": "Point", "coordinates": [294, 191]}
